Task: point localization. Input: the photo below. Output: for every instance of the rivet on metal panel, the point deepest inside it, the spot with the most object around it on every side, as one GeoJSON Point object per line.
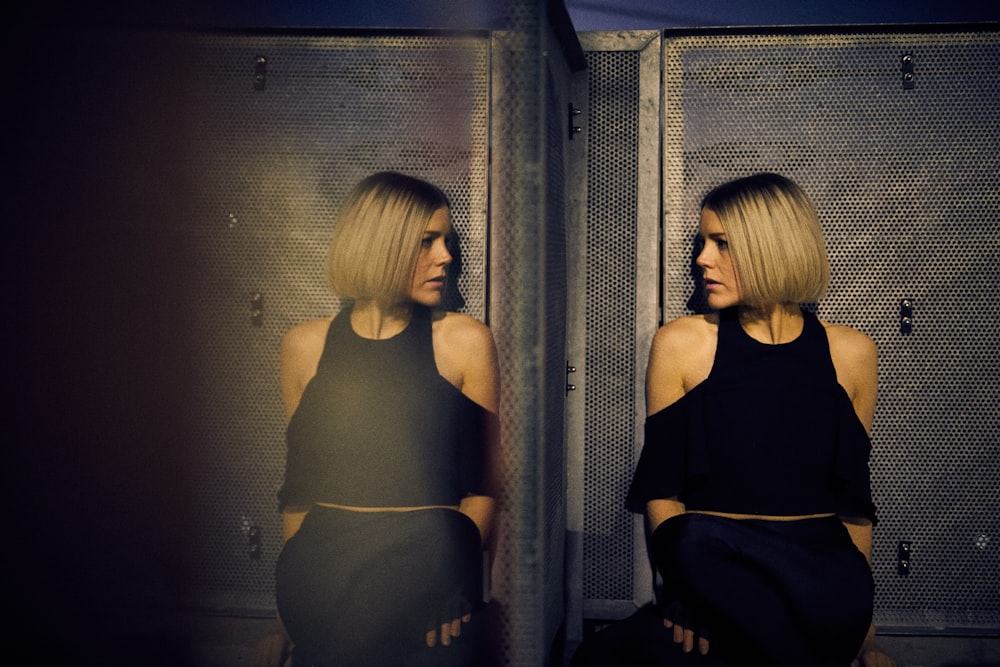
{"type": "Point", "coordinates": [260, 73]}
{"type": "Point", "coordinates": [570, 369]}
{"type": "Point", "coordinates": [253, 542]}
{"type": "Point", "coordinates": [903, 556]}
{"type": "Point", "coordinates": [909, 77]}
{"type": "Point", "coordinates": [251, 531]}
{"type": "Point", "coordinates": [573, 129]}
{"type": "Point", "coordinates": [905, 316]}
{"type": "Point", "coordinates": [257, 309]}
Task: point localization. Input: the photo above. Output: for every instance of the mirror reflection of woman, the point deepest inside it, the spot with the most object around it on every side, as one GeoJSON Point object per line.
{"type": "Point", "coordinates": [391, 404]}
{"type": "Point", "coordinates": [754, 472]}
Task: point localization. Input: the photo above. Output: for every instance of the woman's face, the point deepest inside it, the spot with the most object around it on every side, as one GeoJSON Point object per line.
{"type": "Point", "coordinates": [430, 271]}
{"type": "Point", "coordinates": [721, 286]}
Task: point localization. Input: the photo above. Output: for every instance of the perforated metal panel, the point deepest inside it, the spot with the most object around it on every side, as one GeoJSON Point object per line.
{"type": "Point", "coordinates": [612, 213]}
{"type": "Point", "coordinates": [903, 171]}
{"type": "Point", "coordinates": [198, 175]}
{"type": "Point", "coordinates": [621, 304]}
{"type": "Point", "coordinates": [275, 159]}
{"type": "Point", "coordinates": [189, 234]}
{"type": "Point", "coordinates": [904, 174]}
{"type": "Point", "coordinates": [529, 305]}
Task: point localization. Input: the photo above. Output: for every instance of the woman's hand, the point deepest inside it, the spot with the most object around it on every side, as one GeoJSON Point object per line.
{"type": "Point", "coordinates": [871, 655]}
{"type": "Point", "coordinates": [687, 630]}
{"type": "Point", "coordinates": [273, 649]}
{"type": "Point", "coordinates": [449, 624]}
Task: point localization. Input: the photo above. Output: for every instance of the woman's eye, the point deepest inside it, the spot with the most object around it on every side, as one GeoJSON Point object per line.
{"type": "Point", "coordinates": [723, 244]}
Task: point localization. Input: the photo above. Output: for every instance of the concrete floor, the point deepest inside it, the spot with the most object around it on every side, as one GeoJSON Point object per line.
{"type": "Point", "coordinates": [942, 651]}
{"type": "Point", "coordinates": [202, 640]}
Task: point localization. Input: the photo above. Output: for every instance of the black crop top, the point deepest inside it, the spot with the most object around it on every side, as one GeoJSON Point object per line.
{"type": "Point", "coordinates": [770, 431]}
{"type": "Point", "coordinates": [378, 426]}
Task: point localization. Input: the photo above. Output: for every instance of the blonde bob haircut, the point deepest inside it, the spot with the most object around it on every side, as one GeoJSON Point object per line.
{"type": "Point", "coordinates": [775, 240]}
{"type": "Point", "coordinates": [377, 236]}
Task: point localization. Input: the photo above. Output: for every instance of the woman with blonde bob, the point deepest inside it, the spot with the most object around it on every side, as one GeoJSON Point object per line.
{"type": "Point", "coordinates": [391, 405]}
{"type": "Point", "coordinates": [754, 473]}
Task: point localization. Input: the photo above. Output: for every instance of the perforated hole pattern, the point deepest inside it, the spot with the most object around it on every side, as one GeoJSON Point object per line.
{"type": "Point", "coordinates": [273, 166]}
{"type": "Point", "coordinates": [905, 183]}
{"type": "Point", "coordinates": [528, 307]}
{"type": "Point", "coordinates": [612, 168]}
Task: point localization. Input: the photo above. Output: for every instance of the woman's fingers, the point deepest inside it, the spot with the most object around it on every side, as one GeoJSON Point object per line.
{"type": "Point", "coordinates": [686, 628]}
{"type": "Point", "coordinates": [688, 640]}
{"type": "Point", "coordinates": [448, 629]}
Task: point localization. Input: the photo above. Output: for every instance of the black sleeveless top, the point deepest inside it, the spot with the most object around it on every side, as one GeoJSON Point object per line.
{"type": "Point", "coordinates": [770, 431]}
{"type": "Point", "coordinates": [378, 426]}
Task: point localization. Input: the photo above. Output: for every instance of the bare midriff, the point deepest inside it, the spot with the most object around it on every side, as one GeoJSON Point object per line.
{"type": "Point", "coordinates": [352, 508]}
{"type": "Point", "coordinates": [763, 517]}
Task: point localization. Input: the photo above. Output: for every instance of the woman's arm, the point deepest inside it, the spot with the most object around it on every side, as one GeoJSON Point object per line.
{"type": "Point", "coordinates": [658, 511]}
{"type": "Point", "coordinates": [301, 348]}
{"type": "Point", "coordinates": [466, 355]}
{"type": "Point", "coordinates": [680, 358]}
{"type": "Point", "coordinates": [855, 359]}
{"type": "Point", "coordinates": [291, 521]}
{"type": "Point", "coordinates": [481, 509]}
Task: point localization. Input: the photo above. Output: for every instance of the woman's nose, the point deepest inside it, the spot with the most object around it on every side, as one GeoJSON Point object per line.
{"type": "Point", "coordinates": [444, 256]}
{"type": "Point", "coordinates": [703, 259]}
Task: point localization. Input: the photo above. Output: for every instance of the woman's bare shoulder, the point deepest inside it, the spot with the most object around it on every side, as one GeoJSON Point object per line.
{"type": "Point", "coordinates": [305, 336]}
{"type": "Point", "coordinates": [466, 356]}
{"type": "Point", "coordinates": [680, 359]}
{"type": "Point", "coordinates": [687, 334]}
{"type": "Point", "coordinates": [462, 332]}
{"type": "Point", "coordinates": [301, 349]}
{"type": "Point", "coordinates": [850, 345]}
{"type": "Point", "coordinates": [855, 359]}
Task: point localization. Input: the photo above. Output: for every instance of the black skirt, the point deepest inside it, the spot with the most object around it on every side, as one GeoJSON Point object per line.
{"type": "Point", "coordinates": [363, 588]}
{"type": "Point", "coordinates": [782, 593]}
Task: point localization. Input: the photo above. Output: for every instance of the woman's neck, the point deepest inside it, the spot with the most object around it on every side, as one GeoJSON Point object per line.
{"type": "Point", "coordinates": [378, 321]}
{"type": "Point", "coordinates": [773, 325]}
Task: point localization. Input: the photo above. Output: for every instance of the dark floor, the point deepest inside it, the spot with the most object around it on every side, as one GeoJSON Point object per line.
{"type": "Point", "coordinates": [210, 640]}
{"type": "Point", "coordinates": [942, 650]}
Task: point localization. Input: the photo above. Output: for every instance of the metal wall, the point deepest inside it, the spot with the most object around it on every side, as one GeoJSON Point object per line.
{"type": "Point", "coordinates": [214, 167]}
{"type": "Point", "coordinates": [273, 160]}
{"type": "Point", "coordinates": [894, 134]}
{"type": "Point", "coordinates": [621, 273]}
{"type": "Point", "coordinates": [175, 197]}
{"type": "Point", "coordinates": [534, 74]}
